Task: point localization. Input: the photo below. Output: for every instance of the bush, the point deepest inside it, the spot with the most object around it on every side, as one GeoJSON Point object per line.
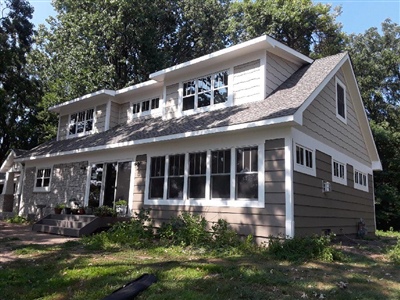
{"type": "Point", "coordinates": [223, 236]}
{"type": "Point", "coordinates": [17, 220]}
{"type": "Point", "coordinates": [300, 249]}
{"type": "Point", "coordinates": [104, 211]}
{"type": "Point", "coordinates": [394, 253]}
{"type": "Point", "coordinates": [185, 230]}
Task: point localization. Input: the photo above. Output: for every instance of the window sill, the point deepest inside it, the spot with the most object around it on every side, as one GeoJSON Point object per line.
{"type": "Point", "coordinates": [41, 190]}
{"type": "Point", "coordinates": [361, 187]}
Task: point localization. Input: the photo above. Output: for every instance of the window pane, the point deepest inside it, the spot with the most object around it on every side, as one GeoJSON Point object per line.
{"type": "Point", "coordinates": [340, 97]}
{"type": "Point", "coordinates": [204, 99]}
{"type": "Point", "coordinates": [220, 95]}
{"type": "Point", "coordinates": [197, 163]}
{"type": "Point", "coordinates": [47, 172]}
{"type": "Point", "coordinates": [157, 166]}
{"type": "Point", "coordinates": [146, 105]}
{"type": "Point", "coordinates": [220, 186]}
{"type": "Point", "coordinates": [176, 165]}
{"type": "Point", "coordinates": [46, 182]}
{"type": "Point", "coordinates": [309, 159]}
{"type": "Point", "coordinates": [221, 79]}
{"type": "Point", "coordinates": [364, 180]}
{"type": "Point", "coordinates": [175, 187]}
{"type": "Point", "coordinates": [247, 186]}
{"type": "Point", "coordinates": [40, 173]}
{"type": "Point", "coordinates": [155, 103]}
{"type": "Point", "coordinates": [221, 162]}
{"type": "Point", "coordinates": [189, 88]}
{"type": "Point", "coordinates": [299, 155]}
{"type": "Point", "coordinates": [156, 187]}
{"type": "Point", "coordinates": [135, 108]}
{"type": "Point", "coordinates": [197, 187]}
{"type": "Point", "coordinates": [188, 103]}
{"type": "Point", "coordinates": [89, 114]}
{"type": "Point", "coordinates": [89, 125]}
{"type": "Point", "coordinates": [356, 177]}
{"type": "Point", "coordinates": [39, 182]}
{"type": "Point", "coordinates": [204, 84]}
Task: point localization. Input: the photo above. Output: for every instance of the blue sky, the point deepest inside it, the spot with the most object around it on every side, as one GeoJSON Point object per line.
{"type": "Point", "coordinates": [357, 15]}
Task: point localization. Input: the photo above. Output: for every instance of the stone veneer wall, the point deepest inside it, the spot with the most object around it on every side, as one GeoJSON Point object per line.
{"type": "Point", "coordinates": [67, 181]}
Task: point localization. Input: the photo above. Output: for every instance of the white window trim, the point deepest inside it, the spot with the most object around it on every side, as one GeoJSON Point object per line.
{"type": "Point", "coordinates": [44, 189]}
{"type": "Point", "coordinates": [338, 82]}
{"type": "Point", "coordinates": [212, 106]}
{"type": "Point", "coordinates": [207, 201]}
{"type": "Point", "coordinates": [338, 179]}
{"type": "Point", "coordinates": [359, 186]}
{"type": "Point", "coordinates": [303, 168]}
{"type": "Point", "coordinates": [84, 132]}
{"type": "Point", "coordinates": [150, 112]}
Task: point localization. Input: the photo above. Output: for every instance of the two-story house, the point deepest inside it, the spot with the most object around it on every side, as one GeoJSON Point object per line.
{"type": "Point", "coordinates": [258, 134]}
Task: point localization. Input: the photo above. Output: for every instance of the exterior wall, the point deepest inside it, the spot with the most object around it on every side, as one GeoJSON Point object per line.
{"type": "Point", "coordinates": [171, 101]}
{"type": "Point", "coordinates": [63, 129]}
{"type": "Point", "coordinates": [278, 70]}
{"type": "Point", "coordinates": [320, 122]}
{"type": "Point", "coordinates": [124, 111]}
{"type": "Point", "coordinates": [101, 113]}
{"type": "Point", "coordinates": [339, 210]}
{"type": "Point", "coordinates": [246, 82]}
{"type": "Point", "coordinates": [260, 222]}
{"type": "Point", "coordinates": [114, 114]}
{"type": "Point", "coordinates": [67, 181]}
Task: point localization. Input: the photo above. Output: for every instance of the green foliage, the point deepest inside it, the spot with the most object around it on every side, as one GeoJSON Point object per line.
{"type": "Point", "coordinates": [17, 220]}
{"type": "Point", "coordinates": [390, 233]}
{"type": "Point", "coordinates": [137, 233]}
{"type": "Point", "coordinates": [307, 27]}
{"type": "Point", "coordinates": [121, 203]}
{"type": "Point", "coordinates": [104, 211]}
{"type": "Point", "coordinates": [19, 91]}
{"type": "Point", "coordinates": [223, 236]}
{"type": "Point", "coordinates": [185, 230]}
{"type": "Point", "coordinates": [394, 253]}
{"type": "Point", "coordinates": [302, 249]}
{"type": "Point", "coordinates": [60, 205]}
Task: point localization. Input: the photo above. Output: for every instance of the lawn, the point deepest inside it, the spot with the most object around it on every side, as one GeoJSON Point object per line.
{"type": "Point", "coordinates": [72, 271]}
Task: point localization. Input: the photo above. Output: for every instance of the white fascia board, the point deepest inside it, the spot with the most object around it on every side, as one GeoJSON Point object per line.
{"type": "Point", "coordinates": [8, 162]}
{"type": "Point", "coordinates": [137, 87]}
{"type": "Point", "coordinates": [57, 108]}
{"type": "Point", "coordinates": [261, 43]}
{"type": "Point", "coordinates": [275, 121]}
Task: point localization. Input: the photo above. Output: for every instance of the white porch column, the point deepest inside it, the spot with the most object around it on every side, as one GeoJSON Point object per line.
{"type": "Point", "coordinates": [8, 188]}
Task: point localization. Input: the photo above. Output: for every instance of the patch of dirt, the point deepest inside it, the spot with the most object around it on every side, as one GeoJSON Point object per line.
{"type": "Point", "coordinates": [12, 235]}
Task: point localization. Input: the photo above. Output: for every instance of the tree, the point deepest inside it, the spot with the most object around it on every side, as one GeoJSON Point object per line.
{"type": "Point", "coordinates": [19, 92]}
{"type": "Point", "coordinates": [376, 60]}
{"type": "Point", "coordinates": [306, 27]}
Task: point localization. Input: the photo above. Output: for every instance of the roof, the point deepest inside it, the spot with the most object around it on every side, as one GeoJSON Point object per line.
{"type": "Point", "coordinates": [279, 107]}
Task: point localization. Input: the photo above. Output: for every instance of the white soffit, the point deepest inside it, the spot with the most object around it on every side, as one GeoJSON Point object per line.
{"type": "Point", "coordinates": [261, 43]}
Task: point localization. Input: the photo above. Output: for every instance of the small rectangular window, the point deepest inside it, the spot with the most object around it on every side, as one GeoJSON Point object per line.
{"type": "Point", "coordinates": [146, 105]}
{"type": "Point", "coordinates": [136, 108]}
{"type": "Point", "coordinates": [360, 180]}
{"type": "Point", "coordinates": [304, 156]}
{"type": "Point", "coordinates": [155, 103]}
{"type": "Point", "coordinates": [338, 172]}
{"type": "Point", "coordinates": [81, 122]}
{"type": "Point", "coordinates": [340, 100]}
{"type": "Point", "coordinates": [220, 173]}
{"type": "Point", "coordinates": [43, 177]}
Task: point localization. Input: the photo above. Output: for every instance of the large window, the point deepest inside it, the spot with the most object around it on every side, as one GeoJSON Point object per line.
{"type": "Point", "coordinates": [43, 178]}
{"type": "Point", "coordinates": [218, 176]}
{"type": "Point", "coordinates": [340, 100]}
{"type": "Point", "coordinates": [220, 173]}
{"type": "Point", "coordinates": [205, 91]}
{"type": "Point", "coordinates": [81, 122]}
{"type": "Point", "coordinates": [247, 173]}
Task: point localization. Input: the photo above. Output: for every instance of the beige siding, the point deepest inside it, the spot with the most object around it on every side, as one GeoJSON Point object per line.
{"type": "Point", "coordinates": [321, 122]}
{"type": "Point", "coordinates": [101, 117]}
{"type": "Point", "coordinates": [63, 127]}
{"type": "Point", "coordinates": [246, 82]}
{"type": "Point", "coordinates": [124, 110]}
{"type": "Point", "coordinates": [278, 70]}
{"type": "Point", "coordinates": [114, 114]}
{"type": "Point", "coordinates": [171, 101]}
{"type": "Point", "coordinates": [338, 210]}
{"type": "Point", "coordinates": [260, 222]}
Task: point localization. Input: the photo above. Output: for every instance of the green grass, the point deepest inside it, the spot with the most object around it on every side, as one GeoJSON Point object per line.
{"type": "Point", "coordinates": [71, 271]}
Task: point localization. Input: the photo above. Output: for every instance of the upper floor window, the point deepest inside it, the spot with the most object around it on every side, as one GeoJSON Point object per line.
{"type": "Point", "coordinates": [205, 91]}
{"type": "Point", "coordinates": [146, 106]}
{"type": "Point", "coordinates": [341, 112]}
{"type": "Point", "coordinates": [43, 178]}
{"type": "Point", "coordinates": [81, 122]}
{"type": "Point", "coordinates": [360, 180]}
{"type": "Point", "coordinates": [338, 172]}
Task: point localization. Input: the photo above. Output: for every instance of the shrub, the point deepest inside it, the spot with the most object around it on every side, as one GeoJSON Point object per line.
{"type": "Point", "coordinates": [185, 230]}
{"type": "Point", "coordinates": [17, 220]}
{"type": "Point", "coordinates": [223, 236]}
{"type": "Point", "coordinates": [301, 249]}
{"type": "Point", "coordinates": [104, 211]}
{"type": "Point", "coordinates": [394, 253]}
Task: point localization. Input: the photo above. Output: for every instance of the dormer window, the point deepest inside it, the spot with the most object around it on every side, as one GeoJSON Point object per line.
{"type": "Point", "coordinates": [81, 123]}
{"type": "Point", "coordinates": [205, 91]}
{"type": "Point", "coordinates": [145, 107]}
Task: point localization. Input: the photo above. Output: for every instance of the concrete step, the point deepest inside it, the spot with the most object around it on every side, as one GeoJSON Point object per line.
{"type": "Point", "coordinates": [64, 223]}
{"type": "Point", "coordinates": [80, 218]}
{"type": "Point", "coordinates": [56, 230]}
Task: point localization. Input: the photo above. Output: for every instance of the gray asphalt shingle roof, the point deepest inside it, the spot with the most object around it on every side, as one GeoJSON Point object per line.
{"type": "Point", "coordinates": [284, 101]}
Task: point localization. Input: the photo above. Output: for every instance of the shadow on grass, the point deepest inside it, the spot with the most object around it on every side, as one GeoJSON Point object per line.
{"type": "Point", "coordinates": [68, 271]}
